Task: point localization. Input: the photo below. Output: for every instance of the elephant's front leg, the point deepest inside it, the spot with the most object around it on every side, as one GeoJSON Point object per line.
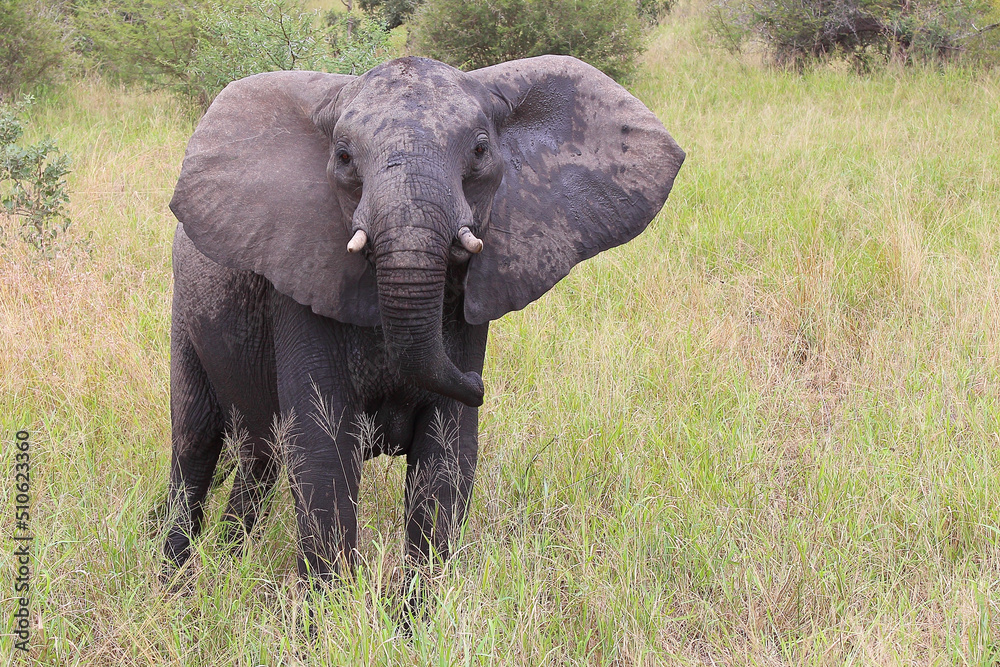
{"type": "Point", "coordinates": [321, 454]}
{"type": "Point", "coordinates": [324, 474]}
{"type": "Point", "coordinates": [441, 466]}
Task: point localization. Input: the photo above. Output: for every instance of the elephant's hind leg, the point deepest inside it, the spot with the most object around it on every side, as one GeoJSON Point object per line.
{"type": "Point", "coordinates": [197, 427]}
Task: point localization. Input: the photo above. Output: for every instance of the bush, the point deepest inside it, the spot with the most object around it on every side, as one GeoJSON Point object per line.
{"type": "Point", "coordinates": [30, 45]}
{"type": "Point", "coordinates": [794, 31]}
{"type": "Point", "coordinates": [359, 42]}
{"type": "Point", "coordinates": [475, 33]}
{"type": "Point", "coordinates": [264, 36]}
{"type": "Point", "coordinates": [394, 12]}
{"type": "Point", "coordinates": [397, 12]}
{"type": "Point", "coordinates": [32, 182]}
{"type": "Point", "coordinates": [652, 12]}
{"type": "Point", "coordinates": [195, 48]}
{"type": "Point", "coordinates": [148, 41]}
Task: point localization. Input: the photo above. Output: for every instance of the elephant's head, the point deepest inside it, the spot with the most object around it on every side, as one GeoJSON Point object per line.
{"type": "Point", "coordinates": [354, 195]}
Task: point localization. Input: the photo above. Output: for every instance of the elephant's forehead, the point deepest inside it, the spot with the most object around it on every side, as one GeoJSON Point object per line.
{"type": "Point", "coordinates": [414, 96]}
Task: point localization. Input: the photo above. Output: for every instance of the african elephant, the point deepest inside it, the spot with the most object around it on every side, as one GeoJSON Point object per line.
{"type": "Point", "coordinates": [344, 242]}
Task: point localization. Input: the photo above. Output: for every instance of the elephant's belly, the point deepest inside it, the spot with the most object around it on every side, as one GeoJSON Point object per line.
{"type": "Point", "coordinates": [394, 407]}
{"type": "Point", "coordinates": [381, 402]}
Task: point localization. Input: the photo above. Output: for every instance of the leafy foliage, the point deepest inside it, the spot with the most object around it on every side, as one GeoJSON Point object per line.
{"type": "Point", "coordinates": [149, 41]}
{"type": "Point", "coordinates": [240, 40]}
{"type": "Point", "coordinates": [652, 12]}
{"type": "Point", "coordinates": [394, 12]}
{"type": "Point", "coordinates": [397, 12]}
{"type": "Point", "coordinates": [476, 33]}
{"type": "Point", "coordinates": [196, 47]}
{"type": "Point", "coordinates": [794, 31]}
{"type": "Point", "coordinates": [30, 45]}
{"type": "Point", "coordinates": [32, 181]}
{"type": "Point", "coordinates": [359, 42]}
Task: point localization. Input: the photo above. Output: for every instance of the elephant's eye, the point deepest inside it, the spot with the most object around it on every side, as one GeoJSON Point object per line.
{"type": "Point", "coordinates": [480, 149]}
{"type": "Point", "coordinates": [343, 157]}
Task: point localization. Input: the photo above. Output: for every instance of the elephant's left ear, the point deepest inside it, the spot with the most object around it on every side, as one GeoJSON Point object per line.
{"type": "Point", "coordinates": [587, 166]}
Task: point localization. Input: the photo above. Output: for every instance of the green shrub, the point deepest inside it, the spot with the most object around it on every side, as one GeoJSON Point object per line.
{"type": "Point", "coordinates": [31, 49]}
{"type": "Point", "coordinates": [475, 33]}
{"type": "Point", "coordinates": [983, 44]}
{"type": "Point", "coordinates": [264, 36]}
{"type": "Point", "coordinates": [32, 182]}
{"type": "Point", "coordinates": [195, 48]}
{"type": "Point", "coordinates": [652, 12]}
{"type": "Point", "coordinates": [794, 31]}
{"type": "Point", "coordinates": [149, 41]}
{"type": "Point", "coordinates": [394, 12]}
{"type": "Point", "coordinates": [397, 12]}
{"type": "Point", "coordinates": [359, 42]}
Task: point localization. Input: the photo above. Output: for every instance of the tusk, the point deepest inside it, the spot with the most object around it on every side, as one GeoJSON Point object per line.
{"type": "Point", "coordinates": [358, 241]}
{"type": "Point", "coordinates": [469, 240]}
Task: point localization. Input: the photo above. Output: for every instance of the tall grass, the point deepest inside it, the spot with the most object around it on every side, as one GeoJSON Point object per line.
{"type": "Point", "coordinates": [765, 432]}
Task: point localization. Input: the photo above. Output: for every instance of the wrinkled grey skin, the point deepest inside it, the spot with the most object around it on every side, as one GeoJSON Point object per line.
{"type": "Point", "coordinates": [547, 161]}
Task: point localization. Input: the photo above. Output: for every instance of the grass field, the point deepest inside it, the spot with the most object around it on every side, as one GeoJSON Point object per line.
{"type": "Point", "coordinates": [766, 432]}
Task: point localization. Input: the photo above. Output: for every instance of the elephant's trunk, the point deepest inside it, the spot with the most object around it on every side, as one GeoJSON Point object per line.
{"type": "Point", "coordinates": [411, 262]}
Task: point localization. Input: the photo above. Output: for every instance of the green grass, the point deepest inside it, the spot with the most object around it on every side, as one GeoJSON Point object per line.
{"type": "Point", "coordinates": [766, 432]}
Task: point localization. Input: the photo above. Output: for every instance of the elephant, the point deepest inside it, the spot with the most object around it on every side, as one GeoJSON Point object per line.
{"type": "Point", "coordinates": [343, 243]}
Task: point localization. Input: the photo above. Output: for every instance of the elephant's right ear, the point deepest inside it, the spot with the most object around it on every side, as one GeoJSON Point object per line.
{"type": "Point", "coordinates": [253, 194]}
{"type": "Point", "coordinates": [587, 166]}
